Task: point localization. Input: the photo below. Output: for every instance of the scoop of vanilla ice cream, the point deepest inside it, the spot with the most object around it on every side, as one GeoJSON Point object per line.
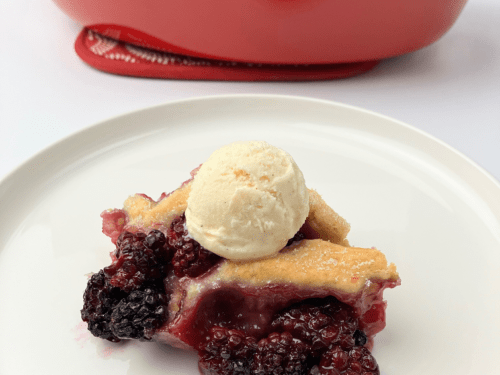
{"type": "Point", "coordinates": [246, 201]}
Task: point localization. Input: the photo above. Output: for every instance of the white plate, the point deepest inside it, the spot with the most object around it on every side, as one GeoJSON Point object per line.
{"type": "Point", "coordinates": [432, 211]}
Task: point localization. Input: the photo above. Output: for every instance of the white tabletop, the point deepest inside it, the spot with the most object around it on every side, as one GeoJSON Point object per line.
{"type": "Point", "coordinates": [450, 89]}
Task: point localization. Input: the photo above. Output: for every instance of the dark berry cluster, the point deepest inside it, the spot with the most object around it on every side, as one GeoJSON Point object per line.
{"type": "Point", "coordinates": [139, 314]}
{"type": "Point", "coordinates": [99, 300]}
{"type": "Point", "coordinates": [281, 353]}
{"type": "Point", "coordinates": [341, 361]}
{"type": "Point", "coordinates": [319, 323]}
{"type": "Point", "coordinates": [139, 257]}
{"type": "Point", "coordinates": [190, 258]}
{"type": "Point", "coordinates": [230, 352]}
{"type": "Point", "coordinates": [128, 298]}
{"type": "Point", "coordinates": [227, 351]}
{"type": "Point", "coordinates": [315, 337]}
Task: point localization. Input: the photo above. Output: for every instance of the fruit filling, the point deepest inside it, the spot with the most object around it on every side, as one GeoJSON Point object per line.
{"type": "Point", "coordinates": [316, 336]}
{"type": "Point", "coordinates": [128, 300]}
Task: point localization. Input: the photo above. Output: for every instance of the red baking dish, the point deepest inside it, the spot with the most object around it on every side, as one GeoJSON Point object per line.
{"type": "Point", "coordinates": [272, 31]}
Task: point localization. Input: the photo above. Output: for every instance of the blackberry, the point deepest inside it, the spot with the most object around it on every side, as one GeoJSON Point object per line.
{"type": "Point", "coordinates": [226, 352]}
{"type": "Point", "coordinates": [280, 353]}
{"type": "Point", "coordinates": [319, 323]}
{"type": "Point", "coordinates": [339, 361]}
{"type": "Point", "coordinates": [139, 314]}
{"type": "Point", "coordinates": [127, 240]}
{"type": "Point", "coordinates": [127, 298]}
{"type": "Point", "coordinates": [139, 257]}
{"type": "Point", "coordinates": [113, 314]}
{"type": "Point", "coordinates": [318, 336]}
{"type": "Point", "coordinates": [190, 258]}
{"type": "Point", "coordinates": [99, 300]}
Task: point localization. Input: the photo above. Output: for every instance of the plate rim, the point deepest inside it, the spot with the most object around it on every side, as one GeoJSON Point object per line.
{"type": "Point", "coordinates": [44, 153]}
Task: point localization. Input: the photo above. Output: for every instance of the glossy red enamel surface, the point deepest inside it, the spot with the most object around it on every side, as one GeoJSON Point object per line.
{"type": "Point", "coordinates": [272, 31]}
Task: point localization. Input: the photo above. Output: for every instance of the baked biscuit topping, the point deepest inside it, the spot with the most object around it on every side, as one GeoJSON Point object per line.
{"type": "Point", "coordinates": [314, 263]}
{"type": "Point", "coordinates": [144, 212]}
{"type": "Point", "coordinates": [323, 222]}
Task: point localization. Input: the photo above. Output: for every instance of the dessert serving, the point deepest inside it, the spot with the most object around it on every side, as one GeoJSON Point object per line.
{"type": "Point", "coordinates": [245, 265]}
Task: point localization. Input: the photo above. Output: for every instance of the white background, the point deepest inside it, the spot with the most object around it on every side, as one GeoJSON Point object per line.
{"type": "Point", "coordinates": [450, 89]}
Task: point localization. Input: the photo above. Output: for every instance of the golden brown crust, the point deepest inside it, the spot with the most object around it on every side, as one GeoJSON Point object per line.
{"type": "Point", "coordinates": [143, 212]}
{"type": "Point", "coordinates": [325, 222]}
{"type": "Point", "coordinates": [314, 263]}
{"type": "Point", "coordinates": [322, 220]}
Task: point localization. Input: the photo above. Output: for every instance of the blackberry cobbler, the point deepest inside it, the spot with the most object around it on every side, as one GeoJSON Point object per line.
{"type": "Point", "coordinates": [311, 307]}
